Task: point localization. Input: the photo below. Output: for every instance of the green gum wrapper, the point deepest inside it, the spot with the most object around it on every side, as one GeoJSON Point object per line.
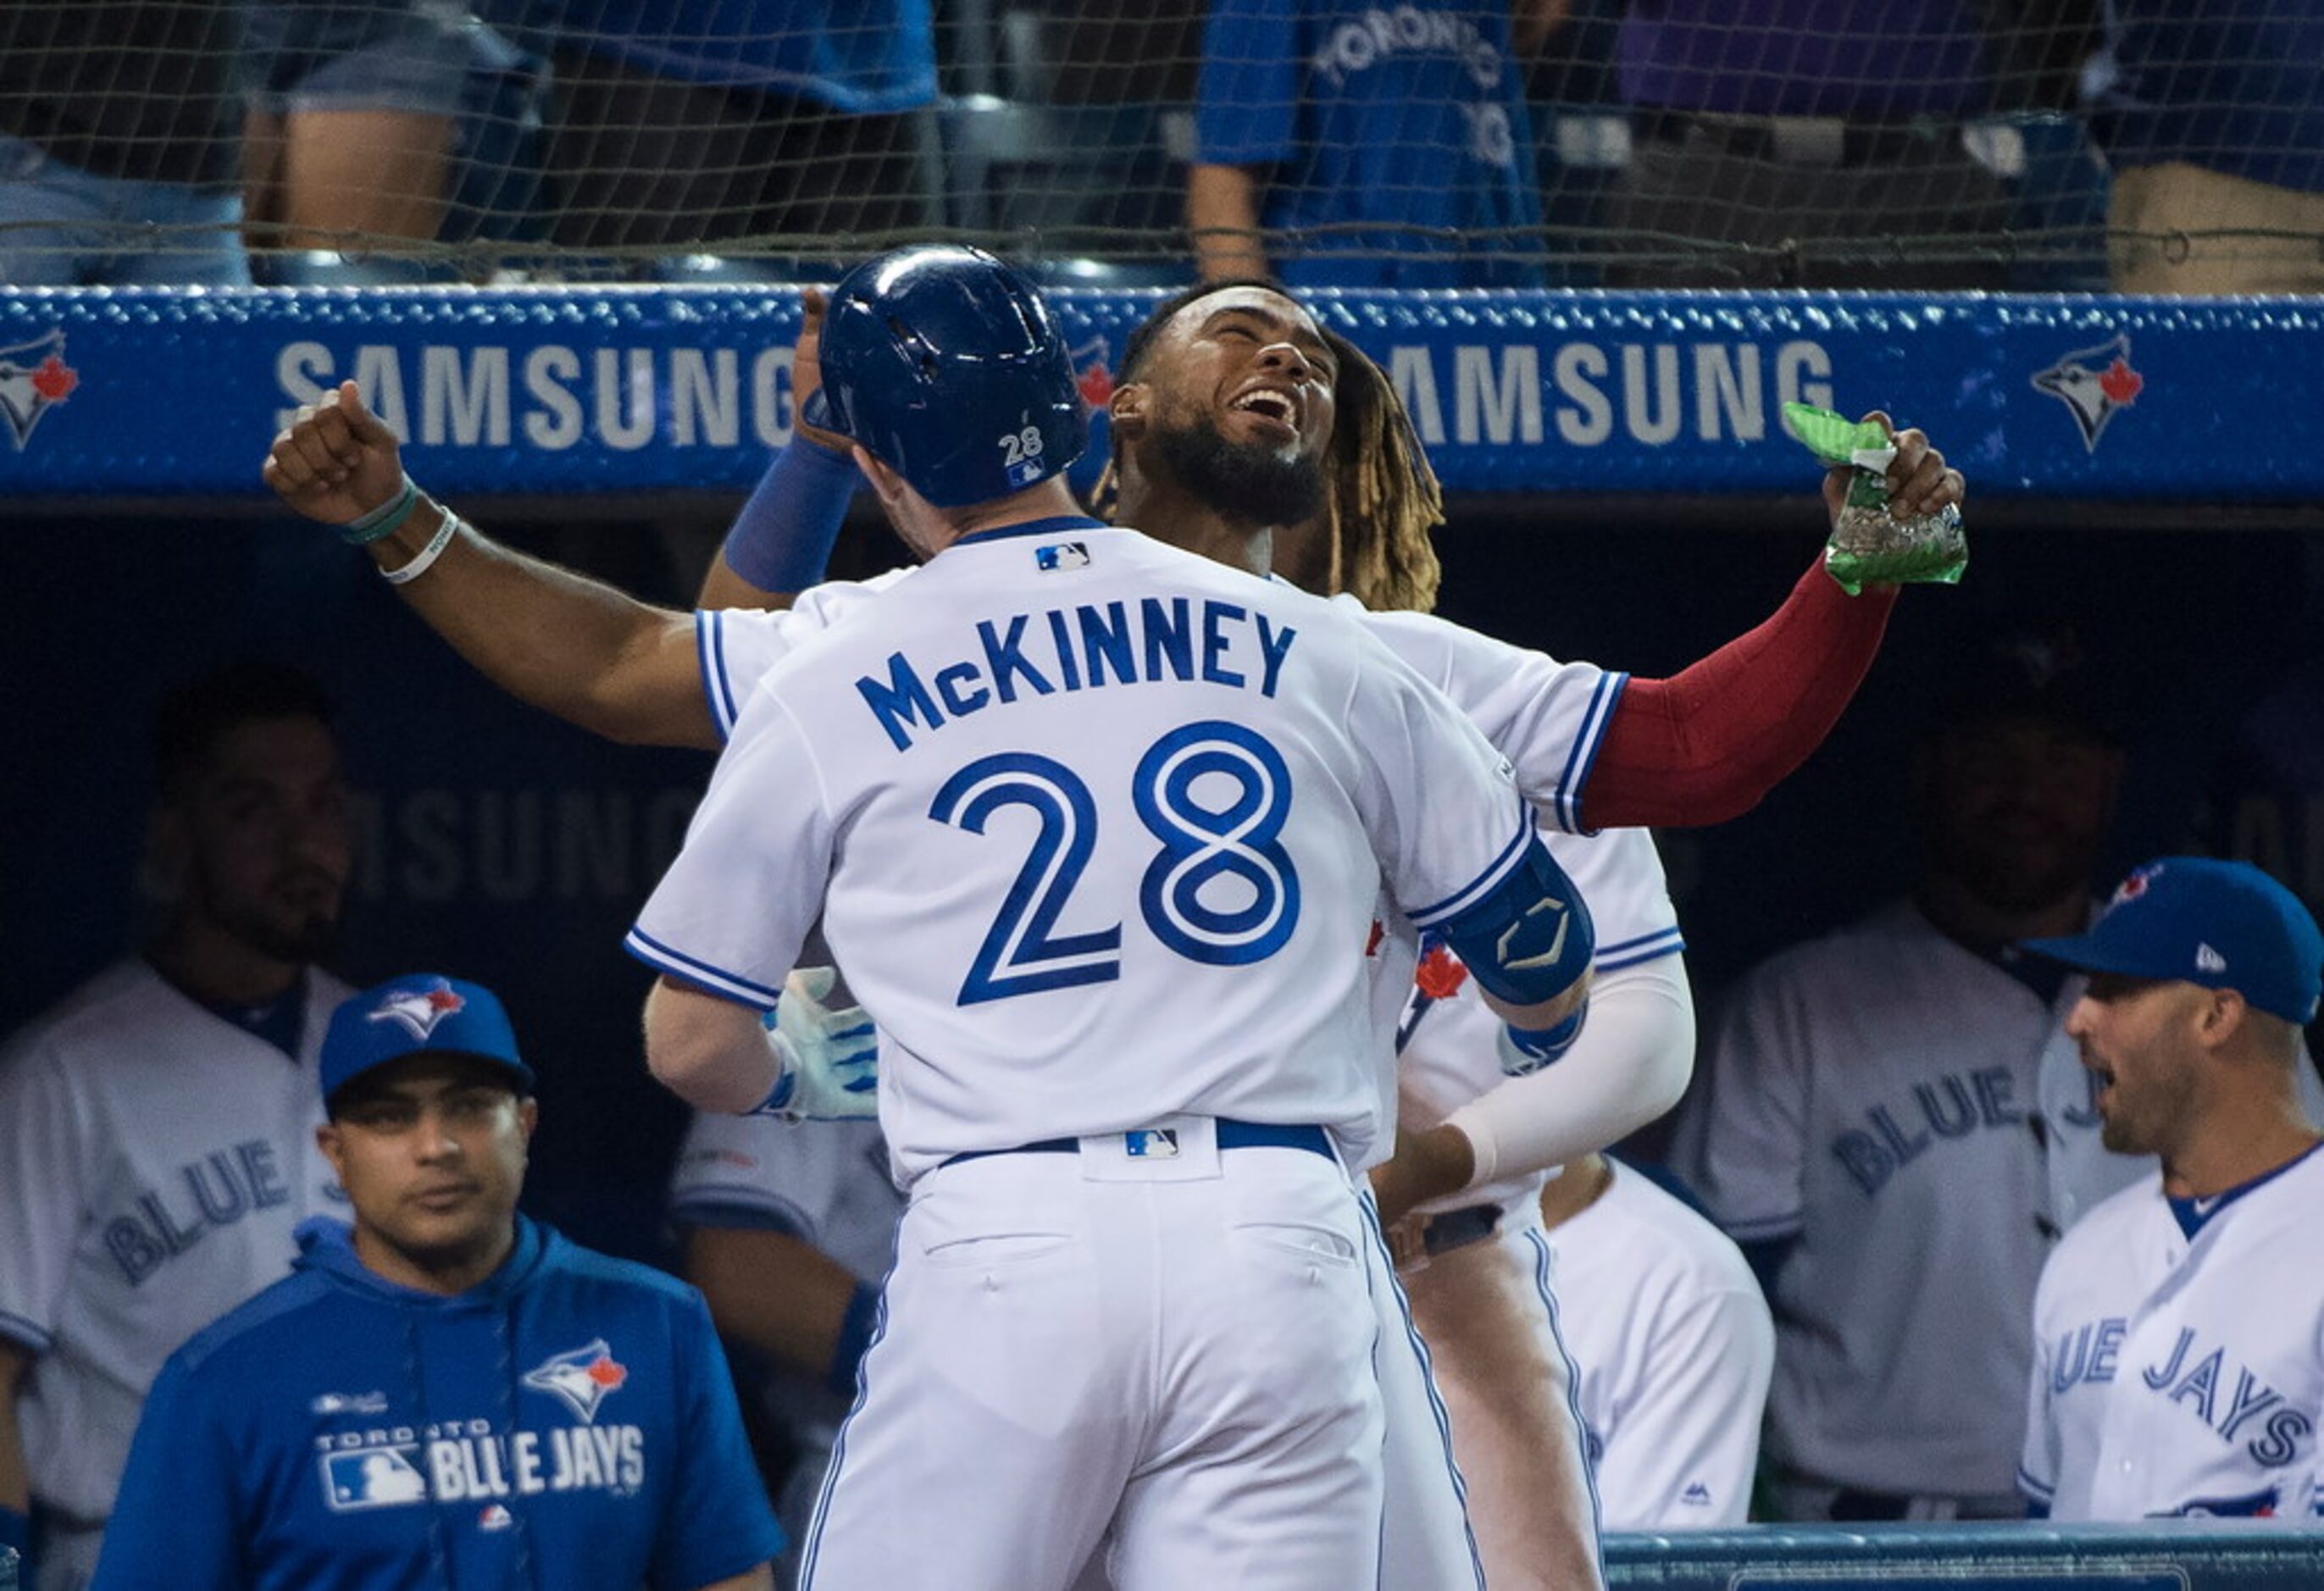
{"type": "Point", "coordinates": [1869, 544]}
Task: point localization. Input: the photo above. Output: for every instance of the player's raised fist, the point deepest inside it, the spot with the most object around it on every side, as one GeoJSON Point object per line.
{"type": "Point", "coordinates": [1920, 483]}
{"type": "Point", "coordinates": [335, 461]}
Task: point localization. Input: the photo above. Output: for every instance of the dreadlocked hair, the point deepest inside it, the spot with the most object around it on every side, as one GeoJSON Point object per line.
{"type": "Point", "coordinates": [1384, 496]}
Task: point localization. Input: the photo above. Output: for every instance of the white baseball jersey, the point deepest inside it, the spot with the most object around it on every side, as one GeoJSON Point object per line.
{"type": "Point", "coordinates": [1062, 790]}
{"type": "Point", "coordinates": [1675, 1347]}
{"type": "Point", "coordinates": [155, 1159]}
{"type": "Point", "coordinates": [2179, 1356]}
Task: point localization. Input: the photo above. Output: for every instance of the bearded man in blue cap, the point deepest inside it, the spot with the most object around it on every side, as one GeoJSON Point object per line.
{"type": "Point", "coordinates": [444, 1392]}
{"type": "Point", "coordinates": [2179, 1356]}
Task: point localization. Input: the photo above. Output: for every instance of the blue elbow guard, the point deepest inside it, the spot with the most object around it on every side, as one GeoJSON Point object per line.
{"type": "Point", "coordinates": [1530, 938]}
{"type": "Point", "coordinates": [1526, 1050]}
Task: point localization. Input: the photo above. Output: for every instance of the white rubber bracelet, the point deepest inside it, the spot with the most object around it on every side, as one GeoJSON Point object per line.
{"type": "Point", "coordinates": [428, 554]}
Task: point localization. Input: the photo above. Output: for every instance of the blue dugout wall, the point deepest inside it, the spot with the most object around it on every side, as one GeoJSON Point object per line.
{"type": "Point", "coordinates": [162, 392]}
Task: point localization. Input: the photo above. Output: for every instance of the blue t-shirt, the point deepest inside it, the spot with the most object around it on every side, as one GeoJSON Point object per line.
{"type": "Point", "coordinates": [2237, 88]}
{"type": "Point", "coordinates": [1380, 120]}
{"type": "Point", "coordinates": [1867, 59]}
{"type": "Point", "coordinates": [569, 1422]}
{"type": "Point", "coordinates": [857, 56]}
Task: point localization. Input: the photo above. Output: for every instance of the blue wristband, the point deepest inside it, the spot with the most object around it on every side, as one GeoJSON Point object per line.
{"type": "Point", "coordinates": [16, 1530]}
{"type": "Point", "coordinates": [856, 1332]}
{"type": "Point", "coordinates": [784, 535]}
{"type": "Point", "coordinates": [1538, 1047]}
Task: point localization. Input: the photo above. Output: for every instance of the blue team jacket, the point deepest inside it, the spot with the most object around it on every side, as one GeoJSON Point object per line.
{"type": "Point", "coordinates": [568, 1423]}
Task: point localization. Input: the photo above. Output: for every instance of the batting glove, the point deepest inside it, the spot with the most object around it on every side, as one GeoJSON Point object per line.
{"type": "Point", "coordinates": [1524, 1050]}
{"type": "Point", "coordinates": [830, 1057]}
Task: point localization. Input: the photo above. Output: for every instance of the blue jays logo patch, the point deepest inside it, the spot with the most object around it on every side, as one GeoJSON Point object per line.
{"type": "Point", "coordinates": [583, 1378]}
{"type": "Point", "coordinates": [2094, 385]}
{"type": "Point", "coordinates": [373, 1477]}
{"type": "Point", "coordinates": [418, 1010]}
{"type": "Point", "coordinates": [33, 379]}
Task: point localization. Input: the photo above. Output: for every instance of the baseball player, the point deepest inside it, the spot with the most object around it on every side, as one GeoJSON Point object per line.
{"type": "Point", "coordinates": [1090, 822]}
{"type": "Point", "coordinates": [2179, 1328]}
{"type": "Point", "coordinates": [1674, 1344]}
{"type": "Point", "coordinates": [446, 1393]}
{"type": "Point", "coordinates": [156, 1144]}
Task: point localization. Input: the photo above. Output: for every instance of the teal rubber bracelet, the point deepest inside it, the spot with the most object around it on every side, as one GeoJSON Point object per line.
{"type": "Point", "coordinates": [384, 520]}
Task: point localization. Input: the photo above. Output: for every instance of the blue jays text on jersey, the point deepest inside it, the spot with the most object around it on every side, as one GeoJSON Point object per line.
{"type": "Point", "coordinates": [1087, 646]}
{"type": "Point", "coordinates": [219, 1189]}
{"type": "Point", "coordinates": [1952, 1105]}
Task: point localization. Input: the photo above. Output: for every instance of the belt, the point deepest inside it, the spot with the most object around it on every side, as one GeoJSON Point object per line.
{"type": "Point", "coordinates": [1802, 141]}
{"type": "Point", "coordinates": [1458, 1228]}
{"type": "Point", "coordinates": [1230, 1135]}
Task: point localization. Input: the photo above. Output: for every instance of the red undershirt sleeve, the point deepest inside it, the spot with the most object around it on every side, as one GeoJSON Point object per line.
{"type": "Point", "coordinates": [1706, 744]}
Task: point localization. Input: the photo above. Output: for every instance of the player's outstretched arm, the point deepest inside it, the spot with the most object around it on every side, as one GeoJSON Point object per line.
{"type": "Point", "coordinates": [779, 1294]}
{"type": "Point", "coordinates": [572, 645]}
{"type": "Point", "coordinates": [779, 543]}
{"type": "Point", "coordinates": [1708, 743]}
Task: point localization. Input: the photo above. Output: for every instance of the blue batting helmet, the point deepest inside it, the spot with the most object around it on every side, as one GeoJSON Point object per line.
{"type": "Point", "coordinates": [949, 369]}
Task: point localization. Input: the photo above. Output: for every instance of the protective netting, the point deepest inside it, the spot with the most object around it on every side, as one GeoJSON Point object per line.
{"type": "Point", "coordinates": [1901, 144]}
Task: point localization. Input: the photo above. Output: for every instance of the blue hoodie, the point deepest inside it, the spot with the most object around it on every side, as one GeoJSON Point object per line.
{"type": "Point", "coordinates": [566, 1423]}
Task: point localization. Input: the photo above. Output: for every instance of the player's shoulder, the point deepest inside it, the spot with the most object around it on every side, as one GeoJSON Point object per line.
{"type": "Point", "coordinates": [255, 1334]}
{"type": "Point", "coordinates": [1664, 1232]}
{"type": "Point", "coordinates": [2106, 1232]}
{"type": "Point", "coordinates": [609, 1277]}
{"type": "Point", "coordinates": [1894, 932]}
{"type": "Point", "coordinates": [87, 1026]}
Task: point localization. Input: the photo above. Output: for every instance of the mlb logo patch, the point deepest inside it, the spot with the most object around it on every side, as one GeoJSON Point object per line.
{"type": "Point", "coordinates": [1061, 555]}
{"type": "Point", "coordinates": [373, 1477]}
{"type": "Point", "coordinates": [1151, 1143]}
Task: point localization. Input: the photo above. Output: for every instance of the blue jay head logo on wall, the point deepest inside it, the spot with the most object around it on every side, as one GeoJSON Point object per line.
{"type": "Point", "coordinates": [582, 1379]}
{"type": "Point", "coordinates": [2094, 385]}
{"type": "Point", "coordinates": [33, 379]}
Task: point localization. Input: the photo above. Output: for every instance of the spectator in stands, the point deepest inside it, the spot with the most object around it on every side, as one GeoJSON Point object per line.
{"type": "Point", "coordinates": [2212, 117]}
{"type": "Point", "coordinates": [679, 122]}
{"type": "Point", "coordinates": [1672, 1345]}
{"type": "Point", "coordinates": [444, 1392]}
{"type": "Point", "coordinates": [156, 1127]}
{"type": "Point", "coordinates": [1775, 142]}
{"type": "Point", "coordinates": [1340, 145]}
{"type": "Point", "coordinates": [1893, 1125]}
{"type": "Point", "coordinates": [349, 123]}
{"type": "Point", "coordinates": [118, 121]}
{"type": "Point", "coordinates": [2178, 1369]}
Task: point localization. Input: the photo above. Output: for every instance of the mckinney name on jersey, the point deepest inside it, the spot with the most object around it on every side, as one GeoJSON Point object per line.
{"type": "Point", "coordinates": [1081, 648]}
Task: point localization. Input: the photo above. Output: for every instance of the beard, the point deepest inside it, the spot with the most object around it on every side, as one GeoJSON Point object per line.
{"type": "Point", "coordinates": [1245, 481]}
{"type": "Point", "coordinates": [294, 935]}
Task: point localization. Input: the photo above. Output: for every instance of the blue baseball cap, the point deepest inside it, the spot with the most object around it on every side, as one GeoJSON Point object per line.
{"type": "Point", "coordinates": [423, 1014]}
{"type": "Point", "coordinates": [2222, 924]}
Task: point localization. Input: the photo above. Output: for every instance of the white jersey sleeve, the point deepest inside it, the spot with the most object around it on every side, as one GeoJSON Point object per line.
{"type": "Point", "coordinates": [46, 1154]}
{"type": "Point", "coordinates": [825, 1183]}
{"type": "Point", "coordinates": [733, 910]}
{"type": "Point", "coordinates": [1676, 1349]}
{"type": "Point", "coordinates": [738, 646]}
{"type": "Point", "coordinates": [2037, 1469]}
{"type": "Point", "coordinates": [1547, 717]}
